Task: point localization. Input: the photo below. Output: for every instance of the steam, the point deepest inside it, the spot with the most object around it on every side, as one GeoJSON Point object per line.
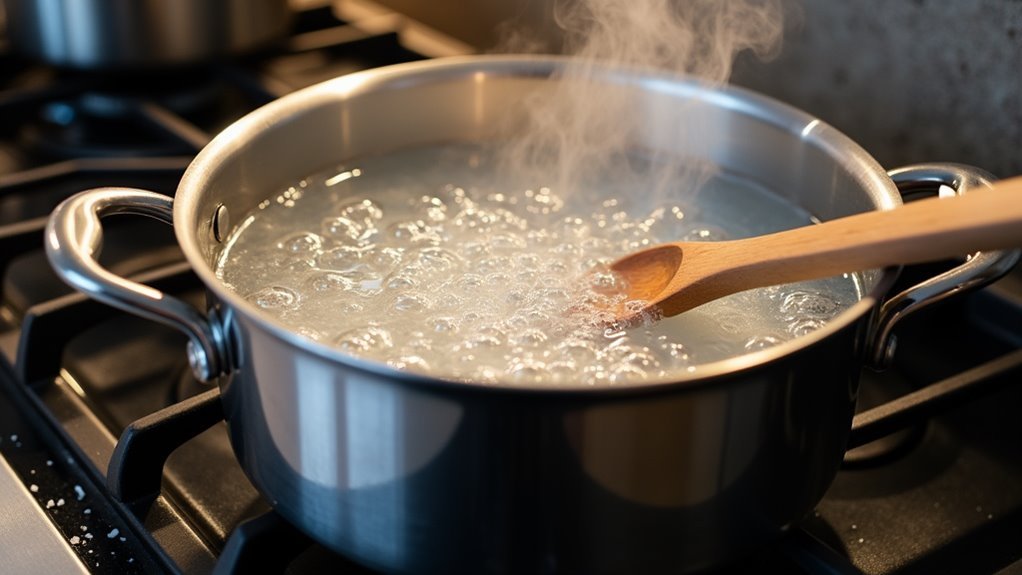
{"type": "Point", "coordinates": [584, 123]}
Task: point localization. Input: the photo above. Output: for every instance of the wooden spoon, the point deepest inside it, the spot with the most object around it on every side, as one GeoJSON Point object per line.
{"type": "Point", "coordinates": [679, 276]}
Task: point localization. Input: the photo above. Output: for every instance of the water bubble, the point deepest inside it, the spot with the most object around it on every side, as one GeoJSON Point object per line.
{"type": "Point", "coordinates": [666, 222]}
{"type": "Point", "coordinates": [485, 374]}
{"type": "Point", "coordinates": [476, 219]}
{"type": "Point", "coordinates": [516, 297]}
{"type": "Point", "coordinates": [447, 301]}
{"type": "Point", "coordinates": [400, 282]}
{"type": "Point", "coordinates": [492, 264]}
{"type": "Point", "coordinates": [568, 250]}
{"type": "Point", "coordinates": [529, 338]}
{"type": "Point", "coordinates": [365, 340]}
{"type": "Point", "coordinates": [540, 238]}
{"type": "Point", "coordinates": [342, 259]}
{"type": "Point", "coordinates": [573, 228]}
{"type": "Point", "coordinates": [435, 260]}
{"type": "Point", "coordinates": [313, 334]}
{"type": "Point", "coordinates": [410, 302]}
{"type": "Point", "coordinates": [342, 229]}
{"type": "Point", "coordinates": [527, 371]}
{"type": "Point", "coordinates": [432, 208]}
{"type": "Point", "coordinates": [363, 211]}
{"type": "Point", "coordinates": [301, 243]}
{"type": "Point", "coordinates": [350, 308]}
{"type": "Point", "coordinates": [469, 282]}
{"type": "Point", "coordinates": [452, 195]}
{"type": "Point", "coordinates": [410, 362]}
{"type": "Point", "coordinates": [674, 352]}
{"type": "Point", "coordinates": [605, 281]}
{"type": "Point", "coordinates": [542, 201]}
{"type": "Point", "coordinates": [329, 281]}
{"type": "Point", "coordinates": [444, 324]}
{"type": "Point", "coordinates": [705, 234]}
{"type": "Point", "coordinates": [799, 327]}
{"type": "Point", "coordinates": [556, 297]}
{"type": "Point", "coordinates": [731, 321]}
{"type": "Point", "coordinates": [562, 371]}
{"type": "Point", "coordinates": [577, 351]}
{"type": "Point", "coordinates": [642, 358]}
{"type": "Point", "coordinates": [383, 260]}
{"type": "Point", "coordinates": [275, 298]}
{"type": "Point", "coordinates": [507, 243]}
{"type": "Point", "coordinates": [413, 233]}
{"type": "Point", "coordinates": [758, 342]}
{"type": "Point", "coordinates": [806, 304]}
{"type": "Point", "coordinates": [280, 260]}
{"type": "Point", "coordinates": [623, 374]}
{"type": "Point", "coordinates": [473, 249]}
{"type": "Point", "coordinates": [556, 267]}
{"type": "Point", "coordinates": [497, 279]}
{"type": "Point", "coordinates": [525, 260]}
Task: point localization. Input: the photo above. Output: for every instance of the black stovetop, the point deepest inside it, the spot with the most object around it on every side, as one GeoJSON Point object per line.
{"type": "Point", "coordinates": [941, 495]}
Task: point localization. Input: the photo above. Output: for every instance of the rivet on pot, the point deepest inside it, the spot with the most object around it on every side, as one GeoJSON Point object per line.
{"type": "Point", "coordinates": [221, 223]}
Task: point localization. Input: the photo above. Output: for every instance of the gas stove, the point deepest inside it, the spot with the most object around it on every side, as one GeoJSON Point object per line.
{"type": "Point", "coordinates": [115, 460]}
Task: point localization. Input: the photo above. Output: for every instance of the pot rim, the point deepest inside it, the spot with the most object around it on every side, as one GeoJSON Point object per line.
{"type": "Point", "coordinates": [193, 185]}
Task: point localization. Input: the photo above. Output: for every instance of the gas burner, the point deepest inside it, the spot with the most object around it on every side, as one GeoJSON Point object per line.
{"type": "Point", "coordinates": [102, 125]}
{"type": "Point", "coordinates": [132, 116]}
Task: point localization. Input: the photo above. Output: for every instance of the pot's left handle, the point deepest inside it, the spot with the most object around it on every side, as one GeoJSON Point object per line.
{"type": "Point", "coordinates": [74, 237]}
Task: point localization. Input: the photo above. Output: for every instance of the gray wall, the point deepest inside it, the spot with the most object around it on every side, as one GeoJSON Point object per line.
{"type": "Point", "coordinates": [910, 80]}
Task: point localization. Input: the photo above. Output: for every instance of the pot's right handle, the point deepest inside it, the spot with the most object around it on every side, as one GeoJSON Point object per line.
{"type": "Point", "coordinates": [74, 237]}
{"type": "Point", "coordinates": [980, 269]}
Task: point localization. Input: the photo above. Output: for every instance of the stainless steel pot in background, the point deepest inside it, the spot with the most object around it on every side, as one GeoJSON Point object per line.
{"type": "Point", "coordinates": [115, 34]}
{"type": "Point", "coordinates": [413, 474]}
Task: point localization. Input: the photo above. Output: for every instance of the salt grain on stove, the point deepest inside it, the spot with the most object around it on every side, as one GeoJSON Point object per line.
{"type": "Point", "coordinates": [112, 533]}
{"type": "Point", "coordinates": [87, 511]}
{"type": "Point", "coordinates": [50, 504]}
{"type": "Point", "coordinates": [33, 488]}
{"type": "Point", "coordinates": [49, 463]}
{"type": "Point", "coordinates": [60, 502]}
{"type": "Point", "coordinates": [75, 540]}
{"type": "Point", "coordinates": [79, 492]}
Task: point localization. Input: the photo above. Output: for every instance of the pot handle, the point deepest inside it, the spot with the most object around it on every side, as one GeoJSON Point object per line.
{"type": "Point", "coordinates": [74, 237]}
{"type": "Point", "coordinates": [981, 268]}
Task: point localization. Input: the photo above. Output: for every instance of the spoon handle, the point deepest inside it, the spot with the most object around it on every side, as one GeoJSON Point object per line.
{"type": "Point", "coordinates": [925, 230]}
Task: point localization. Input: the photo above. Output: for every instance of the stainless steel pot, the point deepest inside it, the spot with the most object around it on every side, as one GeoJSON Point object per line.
{"type": "Point", "coordinates": [101, 34]}
{"type": "Point", "coordinates": [412, 474]}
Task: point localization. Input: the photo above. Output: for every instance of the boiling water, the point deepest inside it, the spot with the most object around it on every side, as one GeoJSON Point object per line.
{"type": "Point", "coordinates": [425, 260]}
